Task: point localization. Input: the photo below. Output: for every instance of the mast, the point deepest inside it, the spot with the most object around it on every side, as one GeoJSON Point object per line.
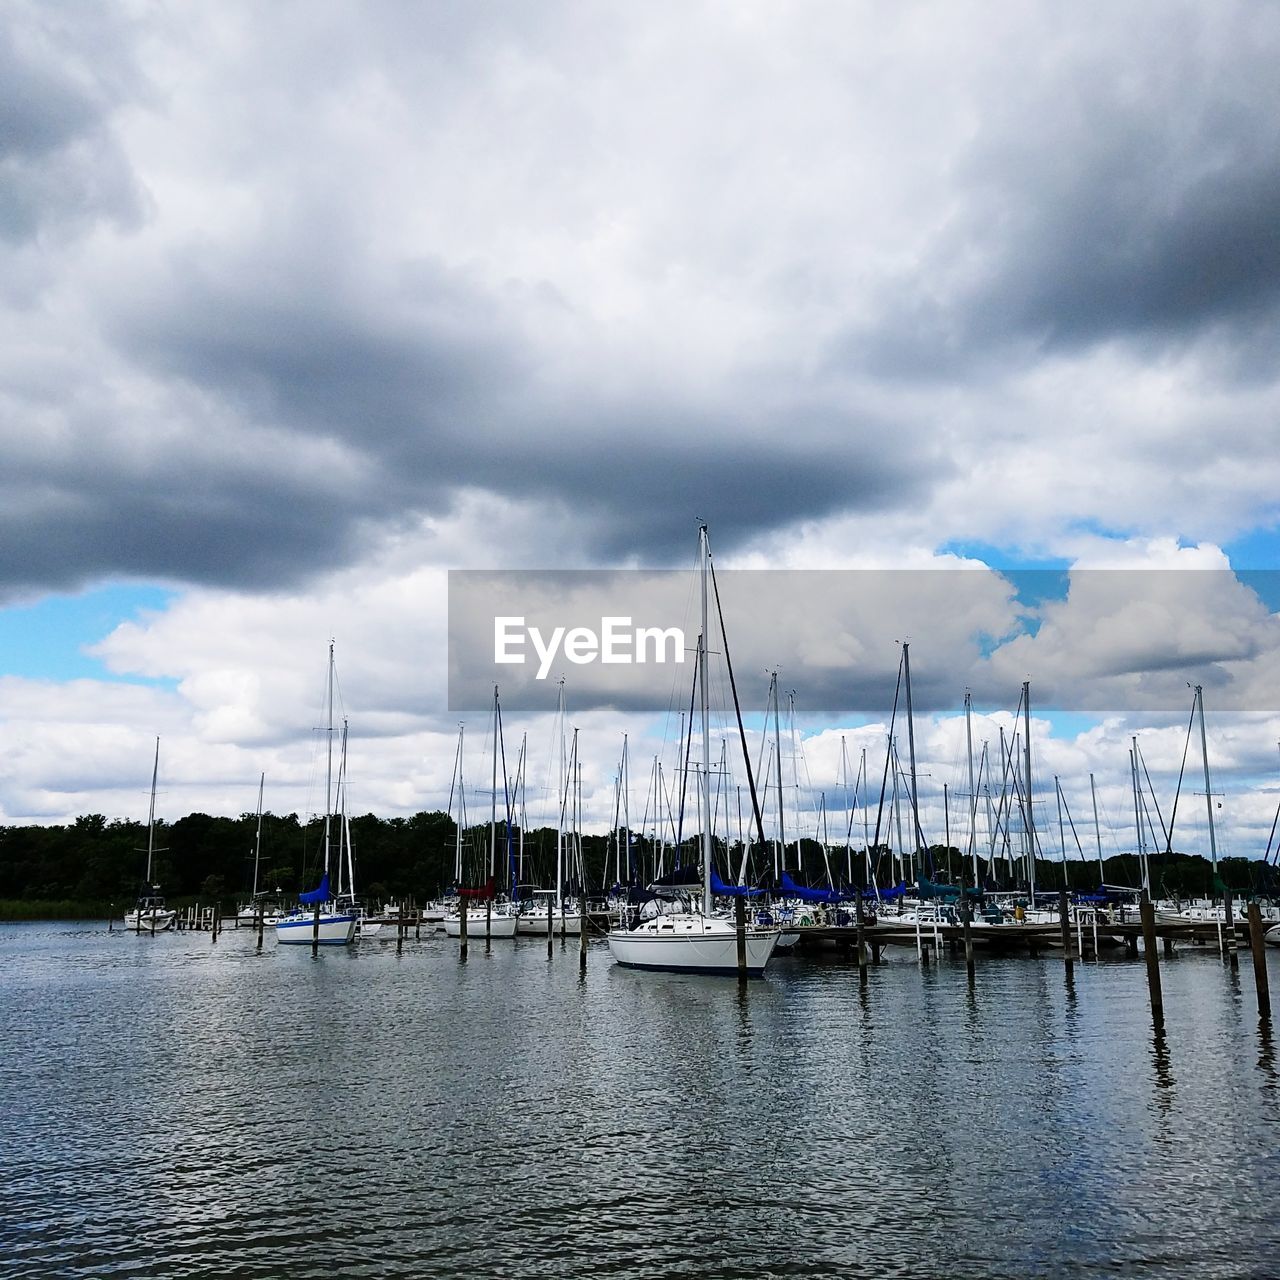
{"type": "Point", "coordinates": [462, 815]}
{"type": "Point", "coordinates": [493, 800]}
{"type": "Point", "coordinates": [328, 776]}
{"type": "Point", "coordinates": [1097, 829]}
{"type": "Point", "coordinates": [257, 844]}
{"type": "Point", "coordinates": [903, 864]}
{"type": "Point", "coordinates": [973, 791]}
{"type": "Point", "coordinates": [916, 832]}
{"type": "Point", "coordinates": [151, 814]}
{"type": "Point", "coordinates": [848, 804]}
{"type": "Point", "coordinates": [866, 815]}
{"type": "Point", "coordinates": [1137, 816]}
{"type": "Point", "coordinates": [780, 860]}
{"type": "Point", "coordinates": [520, 791]}
{"type": "Point", "coordinates": [705, 548]}
{"type": "Point", "coordinates": [1031, 825]}
{"type": "Point", "coordinates": [561, 785]}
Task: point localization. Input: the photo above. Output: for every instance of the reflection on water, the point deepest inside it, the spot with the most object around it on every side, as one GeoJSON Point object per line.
{"type": "Point", "coordinates": [176, 1108]}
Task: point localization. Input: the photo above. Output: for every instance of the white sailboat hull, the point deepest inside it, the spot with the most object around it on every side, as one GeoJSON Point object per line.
{"type": "Point", "coordinates": [335, 930]}
{"type": "Point", "coordinates": [499, 926]}
{"type": "Point", "coordinates": [535, 923]}
{"type": "Point", "coordinates": [150, 921]}
{"type": "Point", "coordinates": [691, 944]}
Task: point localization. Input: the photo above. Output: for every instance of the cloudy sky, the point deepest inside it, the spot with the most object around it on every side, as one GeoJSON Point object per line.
{"type": "Point", "coordinates": [304, 305]}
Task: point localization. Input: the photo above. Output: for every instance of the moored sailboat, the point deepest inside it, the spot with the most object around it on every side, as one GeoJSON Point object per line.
{"type": "Point", "coordinates": [678, 933]}
{"type": "Point", "coordinates": [318, 919]}
{"type": "Point", "coordinates": [149, 914]}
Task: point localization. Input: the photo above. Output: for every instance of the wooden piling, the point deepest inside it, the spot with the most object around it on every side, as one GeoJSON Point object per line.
{"type": "Point", "coordinates": [462, 928]}
{"type": "Point", "coordinates": [861, 916]}
{"type": "Point", "coordinates": [551, 929]}
{"type": "Point", "coordinates": [1064, 923]}
{"type": "Point", "coordinates": [740, 927]}
{"type": "Point", "coordinates": [1259, 948]}
{"type": "Point", "coordinates": [582, 935]}
{"type": "Point", "coordinates": [1147, 913]}
{"type": "Point", "coordinates": [966, 923]}
{"type": "Point", "coordinates": [315, 931]}
{"type": "Point", "coordinates": [258, 922]}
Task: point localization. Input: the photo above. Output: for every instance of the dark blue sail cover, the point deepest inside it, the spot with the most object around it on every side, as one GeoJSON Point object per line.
{"type": "Point", "coordinates": [896, 891]}
{"type": "Point", "coordinates": [788, 887]}
{"type": "Point", "coordinates": [722, 890]}
{"type": "Point", "coordinates": [316, 895]}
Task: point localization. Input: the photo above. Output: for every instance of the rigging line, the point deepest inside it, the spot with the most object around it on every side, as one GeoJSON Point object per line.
{"type": "Point", "coordinates": [1155, 800]}
{"type": "Point", "coordinates": [1173, 813]}
{"type": "Point", "coordinates": [1266, 857]}
{"type": "Point", "coordinates": [897, 689]}
{"type": "Point", "coordinates": [1071, 821]}
{"type": "Point", "coordinates": [688, 746]}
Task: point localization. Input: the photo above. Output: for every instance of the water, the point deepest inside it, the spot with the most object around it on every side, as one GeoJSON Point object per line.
{"type": "Point", "coordinates": [175, 1107]}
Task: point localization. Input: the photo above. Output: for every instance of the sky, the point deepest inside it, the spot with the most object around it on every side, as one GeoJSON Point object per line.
{"type": "Point", "coordinates": [305, 305]}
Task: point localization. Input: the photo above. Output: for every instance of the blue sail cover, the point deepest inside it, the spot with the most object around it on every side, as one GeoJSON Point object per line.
{"type": "Point", "coordinates": [897, 891]}
{"type": "Point", "coordinates": [720, 889]}
{"type": "Point", "coordinates": [790, 889]}
{"type": "Point", "coordinates": [316, 895]}
{"type": "Point", "coordinates": [927, 888]}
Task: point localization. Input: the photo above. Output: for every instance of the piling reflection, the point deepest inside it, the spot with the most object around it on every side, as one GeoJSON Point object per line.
{"type": "Point", "coordinates": [1162, 1066]}
{"type": "Point", "coordinates": [1266, 1053]}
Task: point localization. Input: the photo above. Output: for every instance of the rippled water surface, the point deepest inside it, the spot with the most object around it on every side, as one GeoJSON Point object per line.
{"type": "Point", "coordinates": [178, 1107]}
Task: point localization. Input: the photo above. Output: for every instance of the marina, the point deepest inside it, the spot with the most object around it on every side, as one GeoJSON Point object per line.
{"type": "Point", "coordinates": [904, 1122]}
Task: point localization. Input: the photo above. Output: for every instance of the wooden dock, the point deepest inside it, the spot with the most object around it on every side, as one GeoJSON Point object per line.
{"type": "Point", "coordinates": [1087, 938]}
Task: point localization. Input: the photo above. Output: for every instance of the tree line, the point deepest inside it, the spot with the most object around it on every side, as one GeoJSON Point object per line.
{"type": "Point", "coordinates": [93, 865]}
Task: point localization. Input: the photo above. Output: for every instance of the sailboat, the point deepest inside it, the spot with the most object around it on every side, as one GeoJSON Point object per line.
{"type": "Point", "coordinates": [492, 921]}
{"type": "Point", "coordinates": [566, 917]}
{"type": "Point", "coordinates": [319, 920]}
{"type": "Point", "coordinates": [260, 903]}
{"type": "Point", "coordinates": [149, 913]}
{"type": "Point", "coordinates": [680, 934]}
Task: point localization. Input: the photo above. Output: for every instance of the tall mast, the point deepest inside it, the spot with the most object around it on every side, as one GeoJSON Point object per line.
{"type": "Point", "coordinates": [462, 814]}
{"type": "Point", "coordinates": [916, 832]}
{"type": "Point", "coordinates": [1031, 824]}
{"type": "Point", "coordinates": [493, 796]}
{"type": "Point", "coordinates": [1097, 829]}
{"type": "Point", "coordinates": [780, 861]}
{"type": "Point", "coordinates": [626, 806]}
{"type": "Point", "coordinates": [151, 814]}
{"type": "Point", "coordinates": [561, 785]}
{"type": "Point", "coordinates": [328, 775]}
{"type": "Point", "coordinates": [1137, 815]}
{"type": "Point", "coordinates": [973, 791]}
{"type": "Point", "coordinates": [866, 814]}
{"type": "Point", "coordinates": [897, 811]}
{"type": "Point", "coordinates": [257, 844]}
{"type": "Point", "coordinates": [519, 790]}
{"type": "Point", "coordinates": [705, 547]}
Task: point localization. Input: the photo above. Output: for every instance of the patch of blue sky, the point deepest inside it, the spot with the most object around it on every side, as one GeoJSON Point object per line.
{"type": "Point", "coordinates": [1255, 557]}
{"type": "Point", "coordinates": [1035, 581]}
{"type": "Point", "coordinates": [49, 638]}
{"type": "Point", "coordinates": [1259, 549]}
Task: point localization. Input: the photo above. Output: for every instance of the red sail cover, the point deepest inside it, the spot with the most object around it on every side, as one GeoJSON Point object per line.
{"type": "Point", "coordinates": [485, 892]}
